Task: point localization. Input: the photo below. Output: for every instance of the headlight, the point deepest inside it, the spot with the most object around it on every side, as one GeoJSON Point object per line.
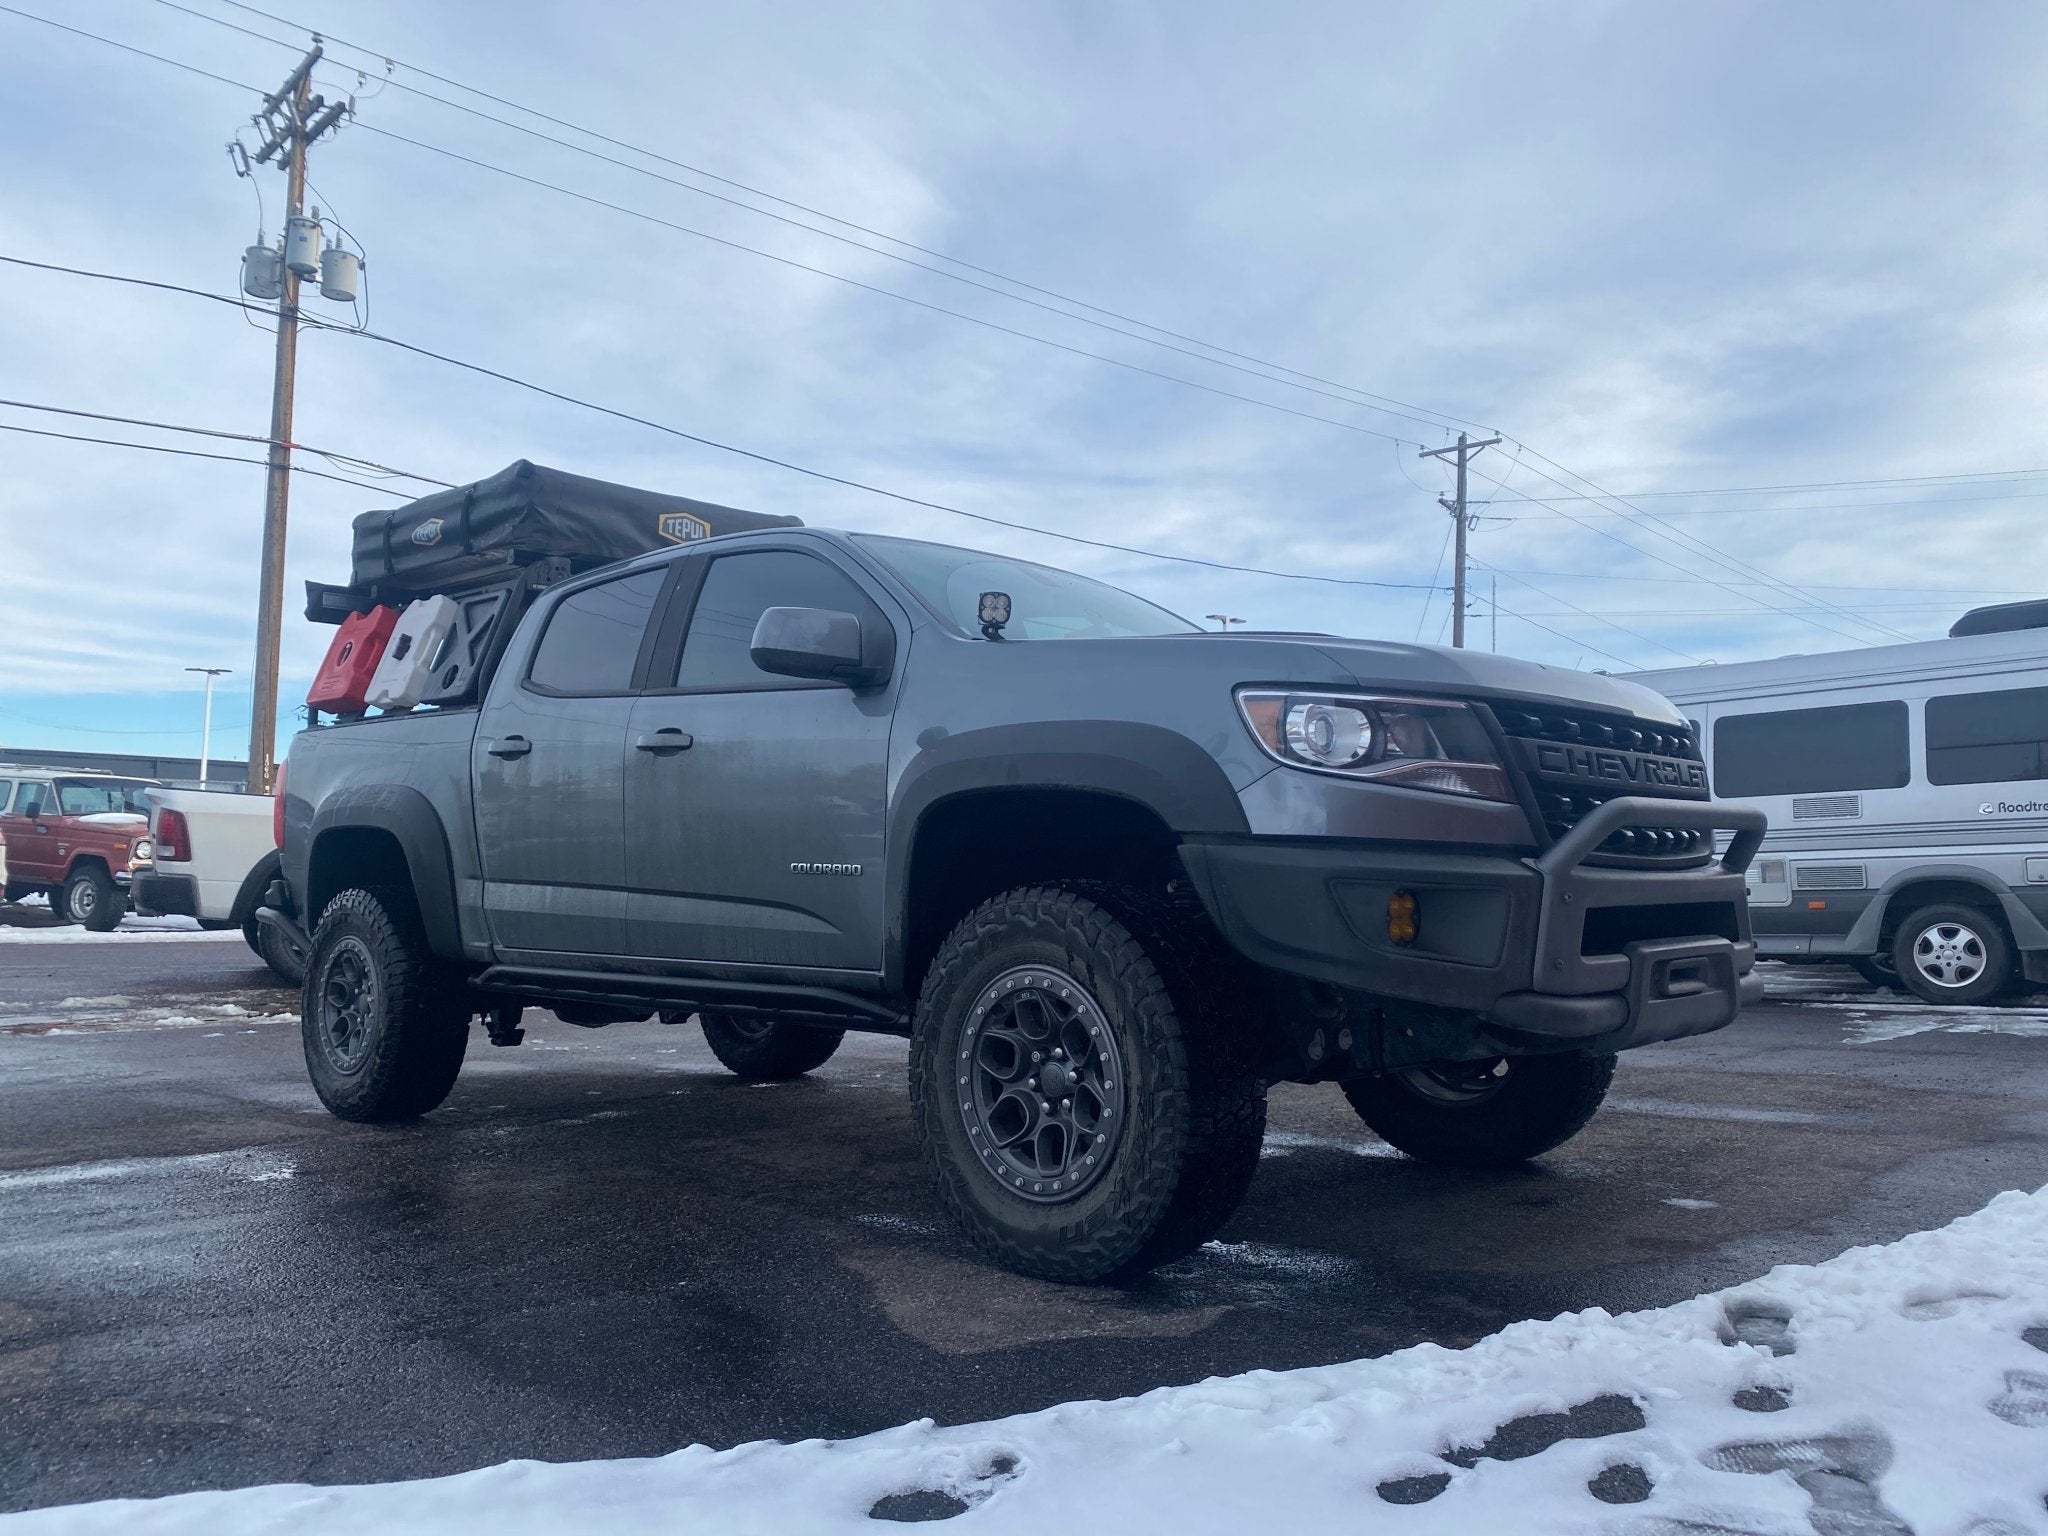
{"type": "Point", "coordinates": [143, 851]}
{"type": "Point", "coordinates": [1435, 744]}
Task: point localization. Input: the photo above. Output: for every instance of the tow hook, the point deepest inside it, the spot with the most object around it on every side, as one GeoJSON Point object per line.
{"type": "Point", "coordinates": [502, 1023]}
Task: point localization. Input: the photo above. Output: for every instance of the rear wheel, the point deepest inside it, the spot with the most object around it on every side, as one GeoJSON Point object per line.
{"type": "Point", "coordinates": [1483, 1114]}
{"type": "Point", "coordinates": [274, 951]}
{"type": "Point", "coordinates": [383, 1024]}
{"type": "Point", "coordinates": [767, 1050]}
{"type": "Point", "coordinates": [1085, 1099]}
{"type": "Point", "coordinates": [92, 899]}
{"type": "Point", "coordinates": [1951, 953]}
{"type": "Point", "coordinates": [1878, 971]}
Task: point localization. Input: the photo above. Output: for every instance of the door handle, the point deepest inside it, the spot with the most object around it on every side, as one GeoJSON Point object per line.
{"type": "Point", "coordinates": [510, 746]}
{"type": "Point", "coordinates": [666, 742]}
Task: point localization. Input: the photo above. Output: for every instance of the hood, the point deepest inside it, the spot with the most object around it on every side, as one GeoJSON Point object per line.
{"type": "Point", "coordinates": [112, 818]}
{"type": "Point", "coordinates": [1431, 668]}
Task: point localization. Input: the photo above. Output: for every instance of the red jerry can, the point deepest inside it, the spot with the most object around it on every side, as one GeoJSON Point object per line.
{"type": "Point", "coordinates": [344, 677]}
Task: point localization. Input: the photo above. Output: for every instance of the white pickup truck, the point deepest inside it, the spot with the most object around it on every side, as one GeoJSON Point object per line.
{"type": "Point", "coordinates": [216, 854]}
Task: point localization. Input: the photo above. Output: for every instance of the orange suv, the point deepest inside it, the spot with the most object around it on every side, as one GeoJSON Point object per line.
{"type": "Point", "coordinates": [77, 837]}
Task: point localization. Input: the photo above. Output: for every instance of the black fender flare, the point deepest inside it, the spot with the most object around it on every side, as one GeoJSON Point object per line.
{"type": "Point", "coordinates": [2026, 929]}
{"type": "Point", "coordinates": [247, 899]}
{"type": "Point", "coordinates": [411, 819]}
{"type": "Point", "coordinates": [1167, 773]}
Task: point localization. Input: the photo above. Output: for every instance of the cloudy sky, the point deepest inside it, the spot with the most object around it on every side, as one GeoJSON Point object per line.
{"type": "Point", "coordinates": [1664, 249]}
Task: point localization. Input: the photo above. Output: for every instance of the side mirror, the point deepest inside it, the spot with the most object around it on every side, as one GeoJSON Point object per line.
{"type": "Point", "coordinates": [824, 644]}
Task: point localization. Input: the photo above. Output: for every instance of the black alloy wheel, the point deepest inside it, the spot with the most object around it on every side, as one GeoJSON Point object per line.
{"type": "Point", "coordinates": [1042, 1083]}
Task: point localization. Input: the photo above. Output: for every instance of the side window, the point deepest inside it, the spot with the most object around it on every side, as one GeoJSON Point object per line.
{"type": "Point", "coordinates": [1983, 738]}
{"type": "Point", "coordinates": [30, 801]}
{"type": "Point", "coordinates": [736, 591]}
{"type": "Point", "coordinates": [593, 636]}
{"type": "Point", "coordinates": [1812, 751]}
{"type": "Point", "coordinates": [6, 789]}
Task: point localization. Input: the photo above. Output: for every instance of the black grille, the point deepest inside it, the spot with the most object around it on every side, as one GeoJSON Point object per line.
{"type": "Point", "coordinates": [1563, 805]}
{"type": "Point", "coordinates": [1595, 730]}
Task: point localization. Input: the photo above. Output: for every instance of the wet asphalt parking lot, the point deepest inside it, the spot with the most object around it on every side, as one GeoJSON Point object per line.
{"type": "Point", "coordinates": [605, 1246]}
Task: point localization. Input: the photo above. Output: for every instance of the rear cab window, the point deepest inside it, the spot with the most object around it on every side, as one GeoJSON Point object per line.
{"type": "Point", "coordinates": [592, 643]}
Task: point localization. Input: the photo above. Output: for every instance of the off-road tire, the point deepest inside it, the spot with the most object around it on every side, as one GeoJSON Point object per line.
{"type": "Point", "coordinates": [767, 1050]}
{"type": "Point", "coordinates": [54, 895]}
{"type": "Point", "coordinates": [92, 899]}
{"type": "Point", "coordinates": [273, 951]}
{"type": "Point", "coordinates": [1998, 974]}
{"type": "Point", "coordinates": [415, 1013]}
{"type": "Point", "coordinates": [1185, 1020]}
{"type": "Point", "coordinates": [1540, 1103]}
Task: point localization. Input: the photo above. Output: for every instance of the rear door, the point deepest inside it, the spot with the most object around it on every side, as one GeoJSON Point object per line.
{"type": "Point", "coordinates": [755, 803]}
{"type": "Point", "coordinates": [548, 770]}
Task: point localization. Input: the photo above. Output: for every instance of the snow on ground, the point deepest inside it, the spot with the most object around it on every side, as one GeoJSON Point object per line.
{"type": "Point", "coordinates": [131, 928]}
{"type": "Point", "coordinates": [1896, 1388]}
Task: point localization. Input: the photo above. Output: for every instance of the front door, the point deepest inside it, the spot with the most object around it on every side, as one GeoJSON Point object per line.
{"type": "Point", "coordinates": [548, 769]}
{"type": "Point", "coordinates": [32, 835]}
{"type": "Point", "coordinates": [760, 841]}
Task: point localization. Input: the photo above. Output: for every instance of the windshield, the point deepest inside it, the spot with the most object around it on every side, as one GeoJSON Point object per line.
{"type": "Point", "coordinates": [1045, 604]}
{"type": "Point", "coordinates": [86, 797]}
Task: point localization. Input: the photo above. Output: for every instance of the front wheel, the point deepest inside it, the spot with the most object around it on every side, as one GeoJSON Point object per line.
{"type": "Point", "coordinates": [767, 1050]}
{"type": "Point", "coordinates": [93, 900]}
{"type": "Point", "coordinates": [1951, 953]}
{"type": "Point", "coordinates": [1085, 1097]}
{"type": "Point", "coordinates": [1483, 1114]}
{"type": "Point", "coordinates": [384, 1028]}
{"type": "Point", "coordinates": [1878, 972]}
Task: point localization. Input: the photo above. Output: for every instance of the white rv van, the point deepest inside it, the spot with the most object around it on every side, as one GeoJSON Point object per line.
{"type": "Point", "coordinates": [1907, 790]}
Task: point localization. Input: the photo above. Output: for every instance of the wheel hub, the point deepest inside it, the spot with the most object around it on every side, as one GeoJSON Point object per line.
{"type": "Point", "coordinates": [349, 1002]}
{"type": "Point", "coordinates": [1040, 1084]}
{"type": "Point", "coordinates": [1949, 955]}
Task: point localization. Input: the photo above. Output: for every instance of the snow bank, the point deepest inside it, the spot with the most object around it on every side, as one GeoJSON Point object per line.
{"type": "Point", "coordinates": [1888, 1390]}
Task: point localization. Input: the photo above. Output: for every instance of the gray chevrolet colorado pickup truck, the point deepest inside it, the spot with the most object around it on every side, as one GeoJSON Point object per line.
{"type": "Point", "coordinates": [1111, 875]}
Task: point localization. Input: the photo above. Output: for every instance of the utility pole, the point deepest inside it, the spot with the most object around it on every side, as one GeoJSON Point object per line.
{"type": "Point", "coordinates": [1464, 449]}
{"type": "Point", "coordinates": [206, 719]}
{"type": "Point", "coordinates": [1493, 613]}
{"type": "Point", "coordinates": [292, 119]}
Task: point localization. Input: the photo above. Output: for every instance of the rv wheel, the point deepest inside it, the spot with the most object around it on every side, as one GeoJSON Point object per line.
{"type": "Point", "coordinates": [1953, 954]}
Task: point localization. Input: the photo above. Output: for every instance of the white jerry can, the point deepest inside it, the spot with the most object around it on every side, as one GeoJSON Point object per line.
{"type": "Point", "coordinates": [407, 670]}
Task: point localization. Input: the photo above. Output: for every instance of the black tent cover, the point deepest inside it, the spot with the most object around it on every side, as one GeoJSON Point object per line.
{"type": "Point", "coordinates": [526, 512]}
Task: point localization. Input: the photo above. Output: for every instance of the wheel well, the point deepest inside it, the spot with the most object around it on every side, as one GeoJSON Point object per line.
{"type": "Point", "coordinates": [1926, 893]}
{"type": "Point", "coordinates": [84, 861]}
{"type": "Point", "coordinates": [344, 857]}
{"type": "Point", "coordinates": [977, 844]}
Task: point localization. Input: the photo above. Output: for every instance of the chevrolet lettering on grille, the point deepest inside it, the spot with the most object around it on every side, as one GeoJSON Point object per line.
{"type": "Point", "coordinates": [1614, 769]}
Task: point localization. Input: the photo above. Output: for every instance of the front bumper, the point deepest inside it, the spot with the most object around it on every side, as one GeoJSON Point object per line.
{"type": "Point", "coordinates": [1551, 951]}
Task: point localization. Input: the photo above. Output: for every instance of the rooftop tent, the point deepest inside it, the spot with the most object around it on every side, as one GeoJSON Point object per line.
{"type": "Point", "coordinates": [523, 513]}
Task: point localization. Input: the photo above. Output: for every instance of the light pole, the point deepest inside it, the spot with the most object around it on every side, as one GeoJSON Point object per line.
{"type": "Point", "coordinates": [206, 719]}
{"type": "Point", "coordinates": [1223, 620]}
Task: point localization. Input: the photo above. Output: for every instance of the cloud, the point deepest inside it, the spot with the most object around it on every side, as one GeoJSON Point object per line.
{"type": "Point", "coordinates": [1650, 248]}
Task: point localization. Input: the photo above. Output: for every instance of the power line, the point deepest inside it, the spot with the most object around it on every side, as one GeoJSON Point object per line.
{"type": "Point", "coordinates": [189, 453]}
{"type": "Point", "coordinates": [1674, 536]}
{"type": "Point", "coordinates": [345, 460]}
{"type": "Point", "coordinates": [887, 293]}
{"type": "Point", "coordinates": [748, 453]}
{"type": "Point", "coordinates": [1821, 506]}
{"type": "Point", "coordinates": [1693, 581]}
{"type": "Point", "coordinates": [1769, 582]}
{"type": "Point", "coordinates": [1588, 613]}
{"type": "Point", "coordinates": [1814, 485]}
{"type": "Point", "coordinates": [1570, 639]}
{"type": "Point", "coordinates": [1393, 406]}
